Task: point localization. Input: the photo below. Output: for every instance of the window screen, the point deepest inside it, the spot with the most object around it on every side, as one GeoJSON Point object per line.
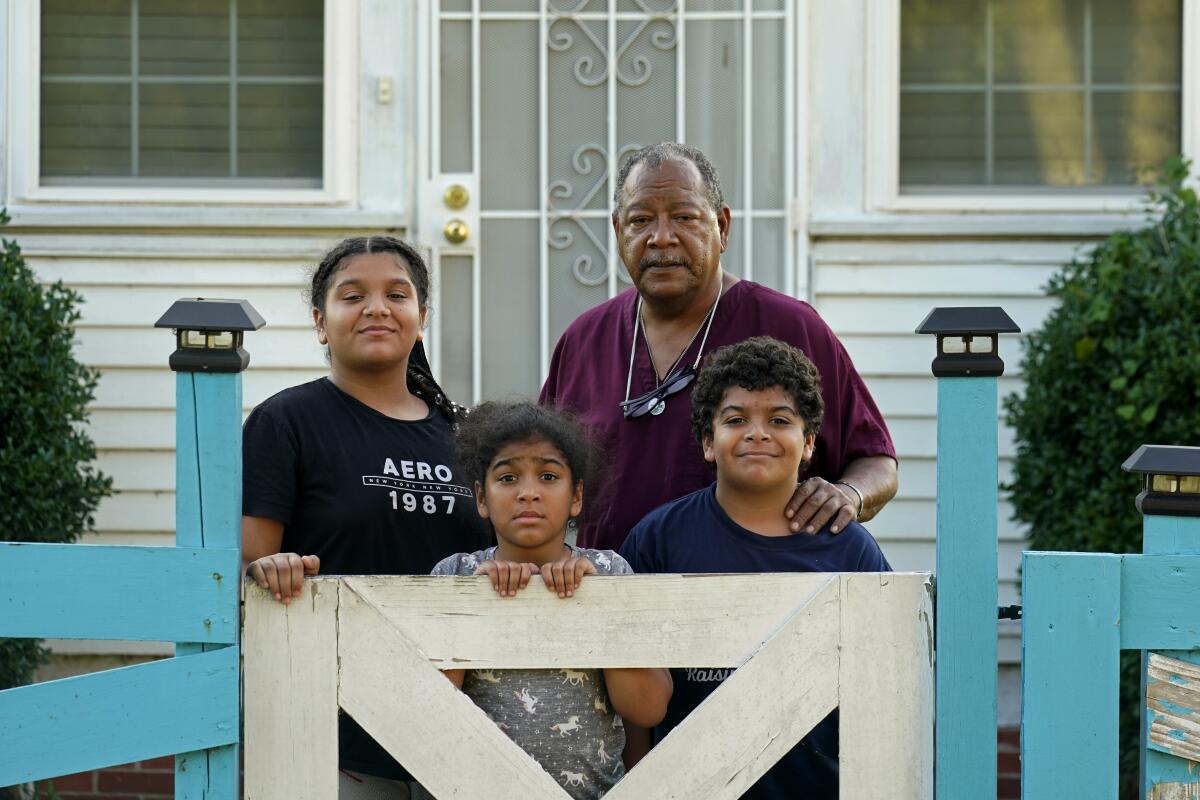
{"type": "Point", "coordinates": [1064, 94]}
{"type": "Point", "coordinates": [181, 92]}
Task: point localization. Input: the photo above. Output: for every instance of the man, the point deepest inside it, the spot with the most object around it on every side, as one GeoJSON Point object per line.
{"type": "Point", "coordinates": [627, 365]}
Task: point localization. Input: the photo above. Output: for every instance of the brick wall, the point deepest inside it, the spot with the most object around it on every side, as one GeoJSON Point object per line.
{"type": "Point", "coordinates": [1008, 763]}
{"type": "Point", "coordinates": [155, 780]}
{"type": "Point", "coordinates": [144, 780]}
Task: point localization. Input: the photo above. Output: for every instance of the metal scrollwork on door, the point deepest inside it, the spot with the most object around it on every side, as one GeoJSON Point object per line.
{"type": "Point", "coordinates": [584, 268]}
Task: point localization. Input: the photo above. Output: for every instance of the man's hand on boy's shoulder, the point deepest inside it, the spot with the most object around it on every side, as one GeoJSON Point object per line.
{"type": "Point", "coordinates": [816, 501]}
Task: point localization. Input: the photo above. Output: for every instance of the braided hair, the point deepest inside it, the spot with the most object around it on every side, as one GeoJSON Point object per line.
{"type": "Point", "coordinates": [420, 375]}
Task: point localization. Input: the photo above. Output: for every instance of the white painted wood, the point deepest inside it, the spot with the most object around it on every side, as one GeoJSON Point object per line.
{"type": "Point", "coordinates": [944, 252]}
{"type": "Point", "coordinates": [290, 680]}
{"type": "Point", "coordinates": [125, 430]}
{"type": "Point", "coordinates": [84, 271]}
{"type": "Point", "coordinates": [139, 217]}
{"type": "Point", "coordinates": [757, 715]}
{"type": "Point", "coordinates": [917, 397]}
{"type": "Point", "coordinates": [183, 244]}
{"type": "Point", "coordinates": [281, 346]}
{"type": "Point", "coordinates": [904, 518]}
{"type": "Point", "coordinates": [978, 276]}
{"type": "Point", "coordinates": [664, 620]}
{"type": "Point", "coordinates": [137, 511]}
{"type": "Point", "coordinates": [886, 680]}
{"type": "Point", "coordinates": [901, 315]}
{"type": "Point", "coordinates": [154, 388]}
{"type": "Point", "coordinates": [385, 165]}
{"type": "Point", "coordinates": [112, 306]}
{"type": "Point", "coordinates": [870, 225]}
{"type": "Point", "coordinates": [835, 56]}
{"type": "Point", "coordinates": [447, 742]}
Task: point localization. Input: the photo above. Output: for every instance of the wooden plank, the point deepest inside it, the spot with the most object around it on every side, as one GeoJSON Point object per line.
{"type": "Point", "coordinates": [1168, 537]}
{"type": "Point", "coordinates": [1071, 675]}
{"type": "Point", "coordinates": [117, 716]}
{"type": "Point", "coordinates": [405, 714]}
{"type": "Point", "coordinates": [1160, 602]}
{"type": "Point", "coordinates": [1174, 791]}
{"type": "Point", "coordinates": [219, 439]}
{"type": "Point", "coordinates": [208, 514]}
{"type": "Point", "coordinates": [1173, 706]}
{"type": "Point", "coordinates": [81, 591]}
{"type": "Point", "coordinates": [886, 687]}
{"type": "Point", "coordinates": [967, 584]}
{"type": "Point", "coordinates": [290, 674]}
{"type": "Point", "coordinates": [761, 711]}
{"type": "Point", "coordinates": [665, 620]}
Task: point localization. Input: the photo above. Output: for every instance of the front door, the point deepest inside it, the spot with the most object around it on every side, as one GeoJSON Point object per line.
{"type": "Point", "coordinates": [527, 108]}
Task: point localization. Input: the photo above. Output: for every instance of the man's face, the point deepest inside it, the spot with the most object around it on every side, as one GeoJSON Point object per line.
{"type": "Point", "coordinates": [670, 238]}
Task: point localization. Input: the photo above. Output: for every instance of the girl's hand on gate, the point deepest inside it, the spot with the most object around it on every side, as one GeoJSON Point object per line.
{"type": "Point", "coordinates": [565, 576]}
{"type": "Point", "coordinates": [508, 577]}
{"type": "Point", "coordinates": [282, 574]}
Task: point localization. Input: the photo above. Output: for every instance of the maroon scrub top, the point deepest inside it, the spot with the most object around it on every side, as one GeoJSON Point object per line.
{"type": "Point", "coordinates": [651, 460]}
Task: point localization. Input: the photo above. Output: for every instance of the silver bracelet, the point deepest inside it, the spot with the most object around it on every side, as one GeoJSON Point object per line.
{"type": "Point", "coordinates": [861, 500]}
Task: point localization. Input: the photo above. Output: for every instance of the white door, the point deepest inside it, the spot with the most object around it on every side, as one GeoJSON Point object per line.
{"type": "Point", "coordinates": [528, 107]}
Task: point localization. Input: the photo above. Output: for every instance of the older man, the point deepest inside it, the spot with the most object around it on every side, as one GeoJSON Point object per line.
{"type": "Point", "coordinates": [627, 365]}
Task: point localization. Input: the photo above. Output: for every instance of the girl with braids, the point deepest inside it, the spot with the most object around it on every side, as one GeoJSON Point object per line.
{"type": "Point", "coordinates": [353, 473]}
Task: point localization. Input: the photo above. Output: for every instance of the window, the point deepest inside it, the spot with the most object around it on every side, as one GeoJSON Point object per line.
{"type": "Point", "coordinates": [1037, 95]}
{"type": "Point", "coordinates": [182, 93]}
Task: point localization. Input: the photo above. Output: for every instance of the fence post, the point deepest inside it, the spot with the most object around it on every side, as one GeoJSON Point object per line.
{"type": "Point", "coordinates": [1170, 507]}
{"type": "Point", "coordinates": [208, 363]}
{"type": "Point", "coordinates": [966, 366]}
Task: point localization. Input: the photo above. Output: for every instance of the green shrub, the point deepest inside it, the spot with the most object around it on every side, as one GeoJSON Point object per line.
{"type": "Point", "coordinates": [1116, 365]}
{"type": "Point", "coordinates": [48, 489]}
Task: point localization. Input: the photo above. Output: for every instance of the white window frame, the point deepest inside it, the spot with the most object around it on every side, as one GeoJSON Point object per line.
{"type": "Point", "coordinates": [882, 135]}
{"type": "Point", "coordinates": [339, 131]}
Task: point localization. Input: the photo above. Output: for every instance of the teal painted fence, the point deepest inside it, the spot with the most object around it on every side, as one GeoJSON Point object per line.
{"type": "Point", "coordinates": [187, 706]}
{"type": "Point", "coordinates": [1080, 610]}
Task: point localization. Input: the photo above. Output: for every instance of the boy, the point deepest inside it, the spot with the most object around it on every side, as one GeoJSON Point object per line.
{"type": "Point", "coordinates": [756, 410]}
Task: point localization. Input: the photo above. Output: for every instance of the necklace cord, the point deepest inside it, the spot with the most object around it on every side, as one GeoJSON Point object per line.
{"type": "Point", "coordinates": [706, 326]}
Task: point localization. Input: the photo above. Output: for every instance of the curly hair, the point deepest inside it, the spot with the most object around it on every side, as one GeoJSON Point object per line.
{"type": "Point", "coordinates": [755, 364]}
{"type": "Point", "coordinates": [420, 375]}
{"type": "Point", "coordinates": [490, 427]}
{"type": "Point", "coordinates": [653, 156]}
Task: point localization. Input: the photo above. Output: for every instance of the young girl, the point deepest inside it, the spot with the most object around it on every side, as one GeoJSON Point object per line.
{"type": "Point", "coordinates": [528, 465]}
{"type": "Point", "coordinates": [352, 473]}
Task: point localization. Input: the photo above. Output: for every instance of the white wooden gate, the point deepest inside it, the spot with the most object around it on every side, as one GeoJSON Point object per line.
{"type": "Point", "coordinates": [803, 644]}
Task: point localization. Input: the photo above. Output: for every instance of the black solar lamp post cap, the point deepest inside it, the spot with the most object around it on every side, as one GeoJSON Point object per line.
{"type": "Point", "coordinates": [1170, 479]}
{"type": "Point", "coordinates": [208, 333]}
{"type": "Point", "coordinates": [967, 340]}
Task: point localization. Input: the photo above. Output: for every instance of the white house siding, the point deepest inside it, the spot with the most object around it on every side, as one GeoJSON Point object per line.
{"type": "Point", "coordinates": [127, 281]}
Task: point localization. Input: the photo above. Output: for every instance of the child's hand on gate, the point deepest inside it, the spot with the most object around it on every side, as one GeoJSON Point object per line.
{"type": "Point", "coordinates": [508, 577]}
{"type": "Point", "coordinates": [565, 576]}
{"type": "Point", "coordinates": [282, 574]}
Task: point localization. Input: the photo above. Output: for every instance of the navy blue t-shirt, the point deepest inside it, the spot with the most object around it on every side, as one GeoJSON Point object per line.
{"type": "Point", "coordinates": [694, 534]}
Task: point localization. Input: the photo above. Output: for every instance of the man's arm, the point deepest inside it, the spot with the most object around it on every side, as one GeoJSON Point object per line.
{"type": "Point", "coordinates": [817, 501]}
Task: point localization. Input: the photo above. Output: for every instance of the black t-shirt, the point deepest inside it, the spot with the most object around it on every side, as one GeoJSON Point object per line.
{"type": "Point", "coordinates": [368, 494]}
{"type": "Point", "coordinates": [694, 534]}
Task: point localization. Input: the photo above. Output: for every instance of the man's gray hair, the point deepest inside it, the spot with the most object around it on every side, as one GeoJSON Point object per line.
{"type": "Point", "coordinates": [653, 156]}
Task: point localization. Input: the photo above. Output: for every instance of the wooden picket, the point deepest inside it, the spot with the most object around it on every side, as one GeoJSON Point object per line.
{"type": "Point", "coordinates": [803, 645]}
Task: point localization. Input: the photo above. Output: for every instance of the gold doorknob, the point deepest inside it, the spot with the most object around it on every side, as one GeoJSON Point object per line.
{"type": "Point", "coordinates": [456, 231]}
{"type": "Point", "coordinates": [456, 196]}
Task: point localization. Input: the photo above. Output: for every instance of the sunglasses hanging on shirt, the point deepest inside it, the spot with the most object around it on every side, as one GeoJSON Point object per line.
{"type": "Point", "coordinates": [654, 402]}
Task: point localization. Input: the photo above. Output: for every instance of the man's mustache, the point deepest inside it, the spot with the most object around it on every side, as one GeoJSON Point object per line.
{"type": "Point", "coordinates": [647, 263]}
